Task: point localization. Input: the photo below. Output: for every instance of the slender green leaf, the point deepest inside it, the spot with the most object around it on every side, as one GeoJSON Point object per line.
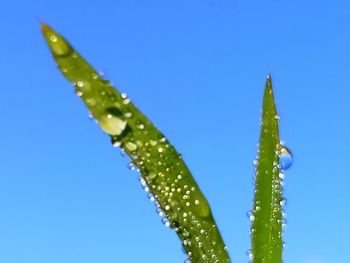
{"type": "Point", "coordinates": [164, 173]}
{"type": "Point", "coordinates": [266, 214]}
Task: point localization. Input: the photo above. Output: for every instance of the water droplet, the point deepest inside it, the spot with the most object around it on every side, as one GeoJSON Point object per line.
{"type": "Point", "coordinates": [58, 45]}
{"type": "Point", "coordinates": [281, 175]}
{"type": "Point", "coordinates": [250, 215]}
{"type": "Point", "coordinates": [53, 38]}
{"type": "Point", "coordinates": [284, 225]}
{"type": "Point", "coordinates": [140, 125]}
{"type": "Point", "coordinates": [90, 116]}
{"type": "Point", "coordinates": [249, 253]}
{"type": "Point", "coordinates": [284, 245]}
{"type": "Point", "coordinates": [151, 175]}
{"type": "Point", "coordinates": [80, 84]}
{"type": "Point", "coordinates": [283, 202]}
{"type": "Point", "coordinates": [116, 142]}
{"type": "Point", "coordinates": [111, 122]}
{"type": "Point", "coordinates": [127, 114]}
{"type": "Point", "coordinates": [286, 158]}
{"type": "Point", "coordinates": [132, 166]}
{"type": "Point", "coordinates": [151, 197]}
{"type": "Point", "coordinates": [79, 93]}
{"type": "Point", "coordinates": [91, 102]}
{"type": "Point", "coordinates": [131, 146]}
{"type": "Point", "coordinates": [153, 143]}
{"type": "Point", "coordinates": [122, 152]}
{"type": "Point", "coordinates": [160, 212]}
{"type": "Point", "coordinates": [166, 222]}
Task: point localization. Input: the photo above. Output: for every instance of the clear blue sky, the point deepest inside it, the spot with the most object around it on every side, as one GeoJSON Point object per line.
{"type": "Point", "coordinates": [197, 69]}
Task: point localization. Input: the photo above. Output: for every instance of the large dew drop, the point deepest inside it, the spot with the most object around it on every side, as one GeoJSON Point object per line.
{"type": "Point", "coordinates": [286, 158]}
{"type": "Point", "coordinates": [111, 123]}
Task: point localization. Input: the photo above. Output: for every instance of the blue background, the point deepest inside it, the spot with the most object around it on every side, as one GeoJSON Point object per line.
{"type": "Point", "coordinates": [197, 69]}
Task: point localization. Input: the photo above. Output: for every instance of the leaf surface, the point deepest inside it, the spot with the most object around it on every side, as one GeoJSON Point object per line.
{"type": "Point", "coordinates": [164, 173]}
{"type": "Point", "coordinates": [266, 214]}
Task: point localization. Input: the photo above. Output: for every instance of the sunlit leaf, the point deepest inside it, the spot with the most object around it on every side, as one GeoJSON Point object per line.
{"type": "Point", "coordinates": [266, 215]}
{"type": "Point", "coordinates": [164, 174]}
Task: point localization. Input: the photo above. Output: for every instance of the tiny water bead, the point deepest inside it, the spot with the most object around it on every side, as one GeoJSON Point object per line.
{"type": "Point", "coordinates": [140, 125]}
{"type": "Point", "coordinates": [283, 202]}
{"type": "Point", "coordinates": [160, 212]}
{"type": "Point", "coordinates": [91, 102]}
{"type": "Point", "coordinates": [131, 146]}
{"type": "Point", "coordinates": [286, 158]}
{"type": "Point", "coordinates": [132, 166]}
{"type": "Point", "coordinates": [80, 84]}
{"type": "Point", "coordinates": [250, 215]}
{"type": "Point", "coordinates": [58, 45]}
{"type": "Point", "coordinates": [166, 222]}
{"type": "Point", "coordinates": [53, 38]}
{"type": "Point", "coordinates": [151, 197]}
{"type": "Point", "coordinates": [249, 253]}
{"type": "Point", "coordinates": [144, 184]}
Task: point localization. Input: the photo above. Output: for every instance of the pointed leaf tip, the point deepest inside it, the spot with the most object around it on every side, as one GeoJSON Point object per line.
{"type": "Point", "coordinates": [268, 81]}
{"type": "Point", "coordinates": [58, 45]}
{"type": "Point", "coordinates": [44, 27]}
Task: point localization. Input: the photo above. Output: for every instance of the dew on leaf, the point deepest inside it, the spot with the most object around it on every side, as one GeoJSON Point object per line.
{"type": "Point", "coordinates": [160, 212]}
{"type": "Point", "coordinates": [286, 158]}
{"type": "Point", "coordinates": [53, 38]}
{"type": "Point", "coordinates": [151, 197]}
{"type": "Point", "coordinates": [131, 146]}
{"type": "Point", "coordinates": [91, 102]}
{"type": "Point", "coordinates": [132, 166]}
{"type": "Point", "coordinates": [166, 222]}
{"type": "Point", "coordinates": [249, 253]}
{"type": "Point", "coordinates": [111, 121]}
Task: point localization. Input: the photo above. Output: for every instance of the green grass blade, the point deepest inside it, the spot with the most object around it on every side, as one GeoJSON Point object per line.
{"type": "Point", "coordinates": [163, 171]}
{"type": "Point", "coordinates": [266, 215]}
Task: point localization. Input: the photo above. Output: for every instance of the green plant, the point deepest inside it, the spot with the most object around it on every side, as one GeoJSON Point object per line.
{"type": "Point", "coordinates": [266, 215]}
{"type": "Point", "coordinates": [165, 174]}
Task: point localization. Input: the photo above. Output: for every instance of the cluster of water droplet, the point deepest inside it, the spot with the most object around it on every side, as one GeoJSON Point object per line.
{"type": "Point", "coordinates": [285, 160]}
{"type": "Point", "coordinates": [166, 182]}
{"type": "Point", "coordinates": [178, 201]}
